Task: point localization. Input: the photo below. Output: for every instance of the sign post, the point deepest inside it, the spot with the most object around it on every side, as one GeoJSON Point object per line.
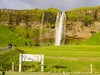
{"type": "Point", "coordinates": [20, 62]}
{"type": "Point", "coordinates": [31, 58]}
{"type": "Point", "coordinates": [42, 63]}
{"type": "Point", "coordinates": [91, 68]}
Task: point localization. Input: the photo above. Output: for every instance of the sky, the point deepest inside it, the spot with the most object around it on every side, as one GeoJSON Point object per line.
{"type": "Point", "coordinates": [62, 5]}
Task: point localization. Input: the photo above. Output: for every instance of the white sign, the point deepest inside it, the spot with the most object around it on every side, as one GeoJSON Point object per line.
{"type": "Point", "coordinates": [30, 58]}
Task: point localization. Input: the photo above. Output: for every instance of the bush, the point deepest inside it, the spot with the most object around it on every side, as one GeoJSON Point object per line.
{"type": "Point", "coordinates": [9, 57]}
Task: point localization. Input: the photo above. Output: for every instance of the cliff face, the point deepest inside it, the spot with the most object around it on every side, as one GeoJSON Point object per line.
{"type": "Point", "coordinates": [27, 17]}
{"type": "Point", "coordinates": [80, 23]}
{"type": "Point", "coordinates": [77, 29]}
{"type": "Point", "coordinates": [28, 23]}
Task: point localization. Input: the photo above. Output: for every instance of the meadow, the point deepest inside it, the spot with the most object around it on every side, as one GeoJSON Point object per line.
{"type": "Point", "coordinates": [66, 58]}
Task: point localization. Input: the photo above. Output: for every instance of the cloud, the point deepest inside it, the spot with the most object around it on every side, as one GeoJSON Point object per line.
{"type": "Point", "coordinates": [62, 4]}
{"type": "Point", "coordinates": [43, 4]}
{"type": "Point", "coordinates": [14, 4]}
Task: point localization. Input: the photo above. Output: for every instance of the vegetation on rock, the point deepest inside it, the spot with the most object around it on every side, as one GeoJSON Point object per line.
{"type": "Point", "coordinates": [26, 23]}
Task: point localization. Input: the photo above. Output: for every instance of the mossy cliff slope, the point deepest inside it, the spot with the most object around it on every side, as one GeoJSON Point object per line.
{"type": "Point", "coordinates": [81, 23]}
{"type": "Point", "coordinates": [27, 23]}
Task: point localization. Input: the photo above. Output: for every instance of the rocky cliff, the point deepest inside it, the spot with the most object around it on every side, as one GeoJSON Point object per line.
{"type": "Point", "coordinates": [80, 23]}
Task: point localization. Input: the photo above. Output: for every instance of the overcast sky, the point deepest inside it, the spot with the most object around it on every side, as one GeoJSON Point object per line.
{"type": "Point", "coordinates": [62, 5]}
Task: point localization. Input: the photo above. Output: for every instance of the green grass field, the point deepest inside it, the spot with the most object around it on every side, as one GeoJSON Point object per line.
{"type": "Point", "coordinates": [67, 58]}
{"type": "Point", "coordinates": [62, 59]}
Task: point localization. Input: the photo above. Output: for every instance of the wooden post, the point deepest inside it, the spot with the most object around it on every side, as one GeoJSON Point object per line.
{"type": "Point", "coordinates": [12, 66]}
{"type": "Point", "coordinates": [42, 63]}
{"type": "Point", "coordinates": [91, 70]}
{"type": "Point", "coordinates": [20, 62]}
{"type": "Point", "coordinates": [3, 72]}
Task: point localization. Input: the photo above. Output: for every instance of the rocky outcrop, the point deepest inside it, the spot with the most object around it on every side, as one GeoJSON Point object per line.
{"type": "Point", "coordinates": [78, 29]}
{"type": "Point", "coordinates": [81, 24]}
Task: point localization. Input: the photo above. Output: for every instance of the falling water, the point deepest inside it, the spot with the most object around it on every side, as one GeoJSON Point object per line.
{"type": "Point", "coordinates": [41, 29]}
{"type": "Point", "coordinates": [56, 28]}
{"type": "Point", "coordinates": [59, 28]}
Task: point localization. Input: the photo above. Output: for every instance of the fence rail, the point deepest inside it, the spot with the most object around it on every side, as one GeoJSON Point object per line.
{"type": "Point", "coordinates": [35, 67]}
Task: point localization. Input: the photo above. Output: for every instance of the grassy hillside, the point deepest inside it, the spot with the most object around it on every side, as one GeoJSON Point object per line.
{"type": "Point", "coordinates": [94, 40]}
{"type": "Point", "coordinates": [9, 36]}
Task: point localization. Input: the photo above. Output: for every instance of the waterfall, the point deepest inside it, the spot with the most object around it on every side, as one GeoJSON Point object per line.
{"type": "Point", "coordinates": [59, 28]}
{"type": "Point", "coordinates": [41, 28]}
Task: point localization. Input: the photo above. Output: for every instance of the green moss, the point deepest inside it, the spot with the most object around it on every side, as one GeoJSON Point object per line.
{"type": "Point", "coordinates": [85, 14]}
{"type": "Point", "coordinates": [83, 8]}
{"type": "Point", "coordinates": [50, 15]}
